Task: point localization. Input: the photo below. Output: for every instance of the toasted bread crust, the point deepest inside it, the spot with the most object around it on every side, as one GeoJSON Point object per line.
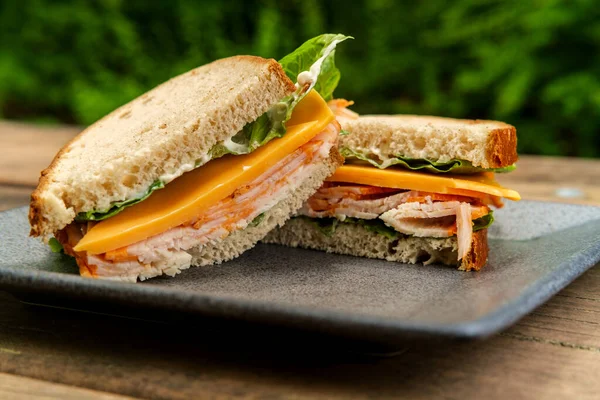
{"type": "Point", "coordinates": [484, 143]}
{"type": "Point", "coordinates": [36, 217]}
{"type": "Point", "coordinates": [477, 257]}
{"type": "Point", "coordinates": [276, 69]}
{"type": "Point", "coordinates": [47, 201]}
{"type": "Point", "coordinates": [502, 147]}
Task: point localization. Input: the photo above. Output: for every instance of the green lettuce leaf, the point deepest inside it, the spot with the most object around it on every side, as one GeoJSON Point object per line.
{"type": "Point", "coordinates": [376, 226]}
{"type": "Point", "coordinates": [453, 166]}
{"type": "Point", "coordinates": [484, 222]}
{"type": "Point", "coordinates": [271, 124]}
{"type": "Point", "coordinates": [118, 206]}
{"type": "Point", "coordinates": [328, 226]}
{"type": "Point", "coordinates": [55, 245]}
{"type": "Point", "coordinates": [258, 133]}
{"type": "Point", "coordinates": [308, 53]}
{"type": "Point", "coordinates": [257, 220]}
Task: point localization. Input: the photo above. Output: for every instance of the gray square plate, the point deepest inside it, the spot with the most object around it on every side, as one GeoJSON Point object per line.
{"type": "Point", "coordinates": [536, 249]}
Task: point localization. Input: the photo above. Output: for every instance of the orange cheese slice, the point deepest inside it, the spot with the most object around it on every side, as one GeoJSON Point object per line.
{"type": "Point", "coordinates": [187, 196]}
{"type": "Point", "coordinates": [411, 180]}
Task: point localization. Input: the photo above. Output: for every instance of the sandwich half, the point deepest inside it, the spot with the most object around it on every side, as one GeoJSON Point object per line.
{"type": "Point", "coordinates": [413, 189]}
{"type": "Point", "coordinates": [195, 171]}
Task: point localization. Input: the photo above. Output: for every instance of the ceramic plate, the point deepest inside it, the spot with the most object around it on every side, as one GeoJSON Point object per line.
{"type": "Point", "coordinates": [536, 249]}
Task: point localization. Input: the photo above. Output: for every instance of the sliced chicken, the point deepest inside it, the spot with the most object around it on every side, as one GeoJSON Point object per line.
{"type": "Point", "coordinates": [340, 109]}
{"type": "Point", "coordinates": [437, 219]}
{"type": "Point", "coordinates": [166, 252]}
{"type": "Point", "coordinates": [366, 202]}
{"type": "Point", "coordinates": [464, 228]}
{"type": "Point", "coordinates": [412, 213]}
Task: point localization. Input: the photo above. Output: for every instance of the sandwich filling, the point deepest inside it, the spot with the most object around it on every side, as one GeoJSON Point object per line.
{"type": "Point", "coordinates": [111, 249]}
{"type": "Point", "coordinates": [385, 198]}
{"type": "Point", "coordinates": [229, 189]}
{"type": "Point", "coordinates": [396, 212]}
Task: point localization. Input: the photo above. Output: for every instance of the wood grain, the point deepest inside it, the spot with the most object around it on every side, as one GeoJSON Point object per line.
{"type": "Point", "coordinates": [571, 319]}
{"type": "Point", "coordinates": [20, 388]}
{"type": "Point", "coordinates": [569, 180]}
{"type": "Point", "coordinates": [12, 196]}
{"type": "Point", "coordinates": [552, 353]}
{"type": "Point", "coordinates": [28, 149]}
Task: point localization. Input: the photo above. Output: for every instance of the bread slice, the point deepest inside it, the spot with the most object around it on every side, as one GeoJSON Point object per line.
{"type": "Point", "coordinates": [486, 144]}
{"type": "Point", "coordinates": [355, 240]}
{"type": "Point", "coordinates": [240, 241]}
{"type": "Point", "coordinates": [161, 133]}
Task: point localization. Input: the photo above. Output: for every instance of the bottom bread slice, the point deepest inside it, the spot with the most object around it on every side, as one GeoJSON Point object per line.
{"type": "Point", "coordinates": [355, 240]}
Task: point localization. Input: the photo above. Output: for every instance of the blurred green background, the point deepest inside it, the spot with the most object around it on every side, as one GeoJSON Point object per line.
{"type": "Point", "coordinates": [534, 64]}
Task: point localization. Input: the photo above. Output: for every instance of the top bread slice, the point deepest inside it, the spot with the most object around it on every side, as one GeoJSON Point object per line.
{"type": "Point", "coordinates": [485, 144]}
{"type": "Point", "coordinates": [159, 134]}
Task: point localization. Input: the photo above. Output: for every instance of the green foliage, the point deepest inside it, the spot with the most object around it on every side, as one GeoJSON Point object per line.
{"type": "Point", "coordinates": [535, 64]}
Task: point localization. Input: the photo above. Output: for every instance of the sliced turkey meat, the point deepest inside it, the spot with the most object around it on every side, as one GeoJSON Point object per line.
{"type": "Point", "coordinates": [166, 252]}
{"type": "Point", "coordinates": [368, 202]}
{"type": "Point", "coordinates": [357, 202]}
{"type": "Point", "coordinates": [409, 212]}
{"type": "Point", "coordinates": [438, 219]}
{"type": "Point", "coordinates": [341, 111]}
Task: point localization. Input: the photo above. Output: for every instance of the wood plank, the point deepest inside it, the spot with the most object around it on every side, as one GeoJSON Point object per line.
{"type": "Point", "coordinates": [20, 388]}
{"type": "Point", "coordinates": [570, 319]}
{"type": "Point", "coordinates": [562, 193]}
{"type": "Point", "coordinates": [28, 149]}
{"type": "Point", "coordinates": [14, 196]}
{"type": "Point", "coordinates": [561, 179]}
{"type": "Point", "coordinates": [561, 170]}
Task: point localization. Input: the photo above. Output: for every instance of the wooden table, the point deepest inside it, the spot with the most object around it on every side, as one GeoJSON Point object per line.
{"type": "Point", "coordinates": [552, 353]}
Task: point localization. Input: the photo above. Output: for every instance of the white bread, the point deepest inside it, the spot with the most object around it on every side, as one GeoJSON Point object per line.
{"type": "Point", "coordinates": [240, 241]}
{"type": "Point", "coordinates": [355, 240]}
{"type": "Point", "coordinates": [171, 126]}
{"type": "Point", "coordinates": [486, 144]}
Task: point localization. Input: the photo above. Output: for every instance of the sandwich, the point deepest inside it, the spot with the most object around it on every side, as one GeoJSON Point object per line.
{"type": "Point", "coordinates": [197, 170]}
{"type": "Point", "coordinates": [412, 189]}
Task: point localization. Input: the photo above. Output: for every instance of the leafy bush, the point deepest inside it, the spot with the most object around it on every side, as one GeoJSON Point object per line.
{"type": "Point", "coordinates": [534, 64]}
